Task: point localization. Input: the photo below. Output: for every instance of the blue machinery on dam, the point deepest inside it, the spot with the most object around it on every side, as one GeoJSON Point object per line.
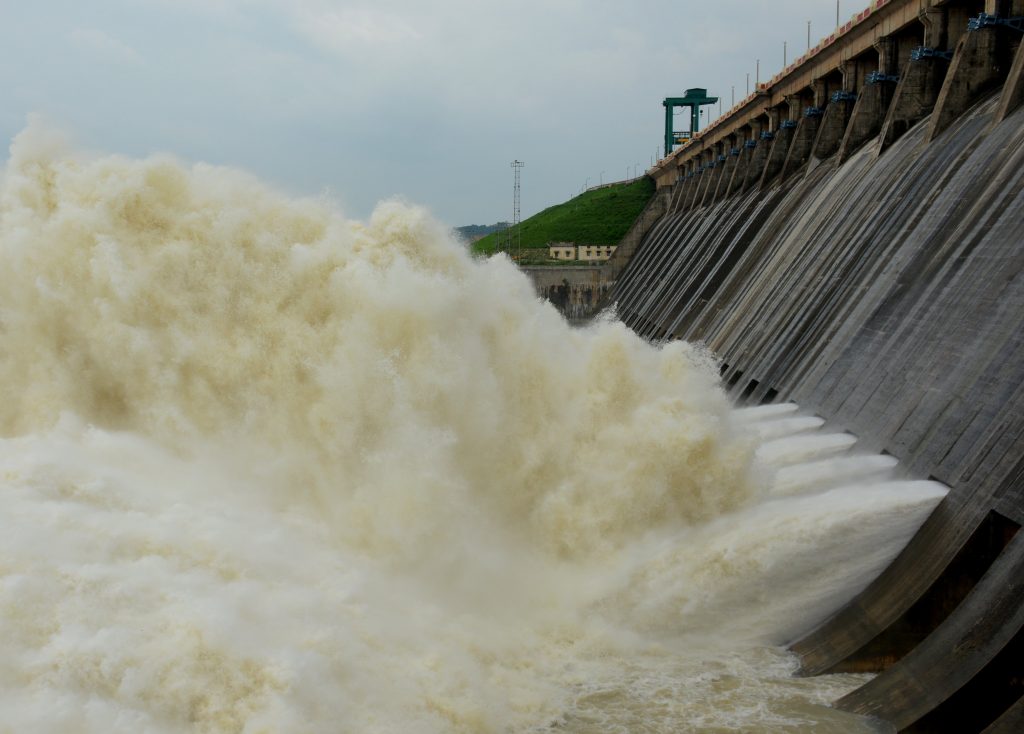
{"type": "Point", "coordinates": [851, 237]}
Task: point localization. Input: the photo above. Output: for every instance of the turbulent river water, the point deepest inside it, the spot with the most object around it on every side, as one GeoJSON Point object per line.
{"type": "Point", "coordinates": [265, 469]}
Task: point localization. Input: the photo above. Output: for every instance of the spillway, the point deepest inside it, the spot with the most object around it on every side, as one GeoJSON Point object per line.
{"type": "Point", "coordinates": [872, 274]}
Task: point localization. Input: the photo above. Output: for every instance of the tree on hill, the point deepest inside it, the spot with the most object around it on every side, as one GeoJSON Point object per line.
{"type": "Point", "coordinates": [473, 232]}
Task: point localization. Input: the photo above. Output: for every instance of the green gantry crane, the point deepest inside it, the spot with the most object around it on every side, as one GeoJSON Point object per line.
{"type": "Point", "coordinates": [694, 99]}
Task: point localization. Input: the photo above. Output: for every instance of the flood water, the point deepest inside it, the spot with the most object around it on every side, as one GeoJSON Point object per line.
{"type": "Point", "coordinates": [268, 469]}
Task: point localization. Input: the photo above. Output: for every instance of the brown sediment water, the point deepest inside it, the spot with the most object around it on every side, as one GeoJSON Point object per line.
{"type": "Point", "coordinates": [268, 469]}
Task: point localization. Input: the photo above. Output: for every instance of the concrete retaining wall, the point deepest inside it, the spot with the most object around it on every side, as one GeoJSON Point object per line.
{"type": "Point", "coordinates": [576, 291]}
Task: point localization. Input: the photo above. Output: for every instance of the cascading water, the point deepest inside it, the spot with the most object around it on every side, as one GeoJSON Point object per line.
{"type": "Point", "coordinates": [266, 469]}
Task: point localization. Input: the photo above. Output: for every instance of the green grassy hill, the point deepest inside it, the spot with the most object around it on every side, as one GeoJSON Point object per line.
{"type": "Point", "coordinates": [599, 217]}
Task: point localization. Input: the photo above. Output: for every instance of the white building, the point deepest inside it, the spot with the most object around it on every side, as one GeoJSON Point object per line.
{"type": "Point", "coordinates": [585, 253]}
{"type": "Point", "coordinates": [594, 253]}
{"type": "Point", "coordinates": [562, 250]}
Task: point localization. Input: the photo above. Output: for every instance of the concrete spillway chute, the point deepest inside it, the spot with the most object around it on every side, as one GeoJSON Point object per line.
{"type": "Point", "coordinates": [693, 100]}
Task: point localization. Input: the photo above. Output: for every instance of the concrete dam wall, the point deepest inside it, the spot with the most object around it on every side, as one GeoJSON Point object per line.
{"type": "Point", "coordinates": [856, 246]}
{"type": "Point", "coordinates": [576, 290]}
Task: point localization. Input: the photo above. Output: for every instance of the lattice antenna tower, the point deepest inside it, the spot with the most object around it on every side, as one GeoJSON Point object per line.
{"type": "Point", "coordinates": [518, 241]}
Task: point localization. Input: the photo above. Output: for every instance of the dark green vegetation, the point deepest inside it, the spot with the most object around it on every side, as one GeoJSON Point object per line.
{"type": "Point", "coordinates": [471, 232]}
{"type": "Point", "coordinates": [598, 217]}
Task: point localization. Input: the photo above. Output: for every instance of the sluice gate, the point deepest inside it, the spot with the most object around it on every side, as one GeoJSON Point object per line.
{"type": "Point", "coordinates": [851, 238]}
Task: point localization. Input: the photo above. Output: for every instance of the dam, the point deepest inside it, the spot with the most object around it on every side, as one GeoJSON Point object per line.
{"type": "Point", "coordinates": [269, 468]}
{"type": "Point", "coordinates": [851, 238]}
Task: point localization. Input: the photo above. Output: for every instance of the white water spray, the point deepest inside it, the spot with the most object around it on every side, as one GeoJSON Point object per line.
{"type": "Point", "coordinates": [266, 469]}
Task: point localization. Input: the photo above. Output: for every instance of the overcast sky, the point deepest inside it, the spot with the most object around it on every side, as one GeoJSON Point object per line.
{"type": "Point", "coordinates": [429, 101]}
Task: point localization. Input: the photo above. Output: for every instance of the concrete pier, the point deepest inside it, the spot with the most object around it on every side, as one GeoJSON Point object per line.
{"type": "Point", "coordinates": [758, 162]}
{"type": "Point", "coordinates": [866, 118]}
{"type": "Point", "coordinates": [974, 70]}
{"type": "Point", "coordinates": [777, 154]}
{"type": "Point", "coordinates": [1013, 91]}
{"type": "Point", "coordinates": [803, 140]}
{"type": "Point", "coordinates": [915, 96]}
{"type": "Point", "coordinates": [832, 128]}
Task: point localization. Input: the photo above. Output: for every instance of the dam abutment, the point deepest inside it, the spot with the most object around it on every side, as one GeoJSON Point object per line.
{"type": "Point", "coordinates": [915, 95]}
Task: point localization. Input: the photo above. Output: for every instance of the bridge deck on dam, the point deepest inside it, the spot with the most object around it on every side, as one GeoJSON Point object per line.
{"type": "Point", "coordinates": [865, 261]}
